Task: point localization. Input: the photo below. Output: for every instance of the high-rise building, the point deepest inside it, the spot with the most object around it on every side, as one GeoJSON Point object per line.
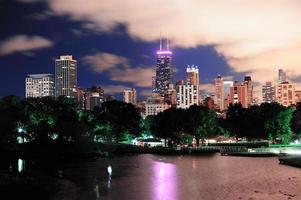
{"type": "Point", "coordinates": [155, 104]}
{"type": "Point", "coordinates": [239, 94]}
{"type": "Point", "coordinates": [268, 92]}
{"type": "Point", "coordinates": [89, 98]}
{"type": "Point", "coordinates": [65, 76]}
{"type": "Point", "coordinates": [187, 95]}
{"type": "Point", "coordinates": [193, 77]}
{"type": "Point", "coordinates": [171, 97]}
{"type": "Point", "coordinates": [39, 85]}
{"type": "Point", "coordinates": [249, 84]}
{"type": "Point", "coordinates": [286, 93]}
{"type": "Point", "coordinates": [219, 92]}
{"type": "Point", "coordinates": [281, 76]}
{"type": "Point", "coordinates": [130, 96]}
{"type": "Point", "coordinates": [164, 71]}
{"type": "Point", "coordinates": [298, 96]}
{"type": "Point", "coordinates": [227, 85]}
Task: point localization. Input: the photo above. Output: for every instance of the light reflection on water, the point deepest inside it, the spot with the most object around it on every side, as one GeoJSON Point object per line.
{"type": "Point", "coordinates": [21, 165]}
{"type": "Point", "coordinates": [164, 181]}
{"type": "Point", "coordinates": [152, 177]}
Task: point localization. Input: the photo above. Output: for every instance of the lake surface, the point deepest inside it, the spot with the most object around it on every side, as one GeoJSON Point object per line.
{"type": "Point", "coordinates": [213, 177]}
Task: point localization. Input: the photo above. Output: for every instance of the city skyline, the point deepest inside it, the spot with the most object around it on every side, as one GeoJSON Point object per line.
{"type": "Point", "coordinates": [111, 53]}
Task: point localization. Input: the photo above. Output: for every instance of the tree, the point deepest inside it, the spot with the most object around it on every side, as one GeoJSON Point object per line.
{"type": "Point", "coordinates": [279, 126]}
{"type": "Point", "coordinates": [202, 122]}
{"type": "Point", "coordinates": [11, 114]}
{"type": "Point", "coordinates": [121, 117]}
{"type": "Point", "coordinates": [296, 120]}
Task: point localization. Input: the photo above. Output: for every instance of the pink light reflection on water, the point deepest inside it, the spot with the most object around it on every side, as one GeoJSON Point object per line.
{"type": "Point", "coordinates": [164, 181]}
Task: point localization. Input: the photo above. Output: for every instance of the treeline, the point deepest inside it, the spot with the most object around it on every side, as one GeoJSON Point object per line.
{"type": "Point", "coordinates": [268, 121]}
{"type": "Point", "coordinates": [47, 121]}
{"type": "Point", "coordinates": [58, 127]}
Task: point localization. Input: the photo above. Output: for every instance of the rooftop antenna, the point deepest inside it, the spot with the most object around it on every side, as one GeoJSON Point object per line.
{"type": "Point", "coordinates": [160, 41]}
{"type": "Point", "coordinates": [167, 44]}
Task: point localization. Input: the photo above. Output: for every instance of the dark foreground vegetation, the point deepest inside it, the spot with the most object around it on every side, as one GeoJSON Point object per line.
{"type": "Point", "coordinates": [47, 132]}
{"type": "Point", "coordinates": [56, 128]}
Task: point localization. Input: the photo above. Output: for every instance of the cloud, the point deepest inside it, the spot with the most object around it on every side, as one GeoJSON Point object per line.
{"type": "Point", "coordinates": [207, 88]}
{"type": "Point", "coordinates": [113, 89]}
{"type": "Point", "coordinates": [254, 37]}
{"type": "Point", "coordinates": [23, 43]}
{"type": "Point", "coordinates": [119, 69]}
{"type": "Point", "coordinates": [102, 62]}
{"type": "Point", "coordinates": [146, 93]}
{"type": "Point", "coordinates": [141, 77]}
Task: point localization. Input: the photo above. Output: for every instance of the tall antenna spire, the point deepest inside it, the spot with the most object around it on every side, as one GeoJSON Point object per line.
{"type": "Point", "coordinates": [160, 41]}
{"type": "Point", "coordinates": [167, 44]}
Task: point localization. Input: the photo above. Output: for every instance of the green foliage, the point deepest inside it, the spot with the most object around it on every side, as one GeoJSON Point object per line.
{"type": "Point", "coordinates": [279, 126]}
{"type": "Point", "coordinates": [11, 114]}
{"type": "Point", "coordinates": [121, 117]}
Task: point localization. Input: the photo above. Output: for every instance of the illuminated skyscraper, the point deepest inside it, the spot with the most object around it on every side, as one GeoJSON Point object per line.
{"type": "Point", "coordinates": [227, 86]}
{"type": "Point", "coordinates": [193, 77]}
{"type": "Point", "coordinates": [219, 92]}
{"type": "Point", "coordinates": [268, 92]}
{"type": "Point", "coordinates": [249, 84]}
{"type": "Point", "coordinates": [130, 96]}
{"type": "Point", "coordinates": [164, 71]}
{"type": "Point", "coordinates": [65, 76]}
{"type": "Point", "coordinates": [286, 93]}
{"type": "Point", "coordinates": [281, 76]}
{"type": "Point", "coordinates": [239, 94]}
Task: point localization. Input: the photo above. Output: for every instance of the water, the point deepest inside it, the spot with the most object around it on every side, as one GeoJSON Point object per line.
{"type": "Point", "coordinates": [185, 177]}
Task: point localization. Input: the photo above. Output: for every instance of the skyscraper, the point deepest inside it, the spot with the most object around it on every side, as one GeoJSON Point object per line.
{"type": "Point", "coordinates": [286, 93]}
{"type": "Point", "coordinates": [249, 84]}
{"type": "Point", "coordinates": [239, 94]}
{"type": "Point", "coordinates": [219, 92]}
{"type": "Point", "coordinates": [164, 71]}
{"type": "Point", "coordinates": [227, 85]}
{"type": "Point", "coordinates": [187, 95]}
{"type": "Point", "coordinates": [65, 76]}
{"type": "Point", "coordinates": [130, 96]}
{"type": "Point", "coordinates": [268, 92]}
{"type": "Point", "coordinates": [281, 76]}
{"type": "Point", "coordinates": [39, 85]}
{"type": "Point", "coordinates": [193, 77]}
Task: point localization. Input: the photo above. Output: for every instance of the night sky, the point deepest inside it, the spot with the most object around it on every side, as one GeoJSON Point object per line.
{"type": "Point", "coordinates": [116, 49]}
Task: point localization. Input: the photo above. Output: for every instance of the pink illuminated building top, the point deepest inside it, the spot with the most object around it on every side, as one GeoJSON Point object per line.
{"type": "Point", "coordinates": [164, 52]}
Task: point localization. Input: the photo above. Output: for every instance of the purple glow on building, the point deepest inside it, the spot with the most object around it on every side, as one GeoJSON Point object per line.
{"type": "Point", "coordinates": [164, 181]}
{"type": "Point", "coordinates": [164, 52]}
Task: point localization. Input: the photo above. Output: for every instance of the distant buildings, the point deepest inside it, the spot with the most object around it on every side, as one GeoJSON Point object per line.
{"type": "Point", "coordinates": [39, 85]}
{"type": "Point", "coordinates": [188, 91]}
{"type": "Point", "coordinates": [155, 104]}
{"type": "Point", "coordinates": [249, 84]}
{"type": "Point", "coordinates": [187, 95]}
{"type": "Point", "coordinates": [239, 94]}
{"type": "Point", "coordinates": [297, 96]}
{"type": "Point", "coordinates": [193, 76]}
{"type": "Point", "coordinates": [130, 96]}
{"type": "Point", "coordinates": [65, 76]}
{"type": "Point", "coordinates": [89, 98]}
{"type": "Point", "coordinates": [227, 86]}
{"type": "Point", "coordinates": [286, 94]}
{"type": "Point", "coordinates": [281, 76]}
{"type": "Point", "coordinates": [268, 92]}
{"type": "Point", "coordinates": [219, 92]}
